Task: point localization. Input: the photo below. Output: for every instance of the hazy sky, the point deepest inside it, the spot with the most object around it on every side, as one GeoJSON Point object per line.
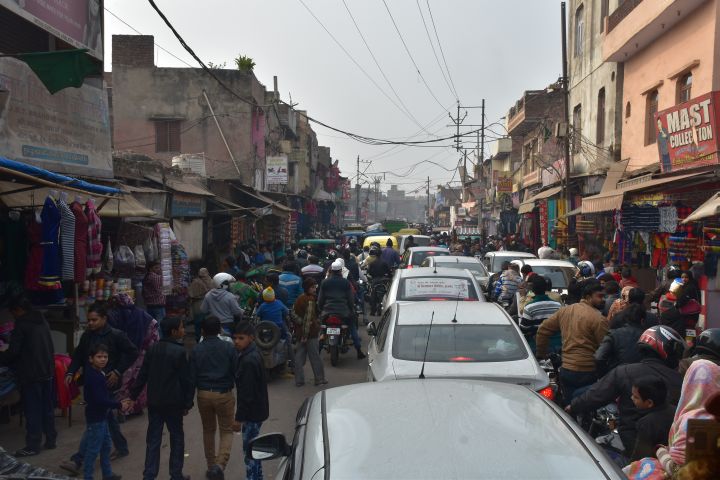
{"type": "Point", "coordinates": [495, 49]}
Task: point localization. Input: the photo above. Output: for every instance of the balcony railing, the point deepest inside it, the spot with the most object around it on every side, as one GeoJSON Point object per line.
{"type": "Point", "coordinates": [621, 12]}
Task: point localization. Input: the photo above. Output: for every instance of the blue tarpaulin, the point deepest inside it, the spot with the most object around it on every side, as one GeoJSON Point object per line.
{"type": "Point", "coordinates": [61, 180]}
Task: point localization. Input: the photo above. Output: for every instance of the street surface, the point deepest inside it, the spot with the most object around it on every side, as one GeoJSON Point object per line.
{"type": "Point", "coordinates": [285, 399]}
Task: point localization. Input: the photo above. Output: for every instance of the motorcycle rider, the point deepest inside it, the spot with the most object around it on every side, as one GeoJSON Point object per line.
{"type": "Point", "coordinates": [661, 349]}
{"type": "Point", "coordinates": [336, 298]}
{"type": "Point", "coordinates": [379, 271]}
{"type": "Point", "coordinates": [290, 282]}
{"type": "Point", "coordinates": [619, 347]}
{"type": "Point", "coordinates": [301, 258]}
{"type": "Point", "coordinates": [707, 347]}
{"type": "Point", "coordinates": [220, 303]}
{"type": "Point", "coordinates": [583, 328]}
{"type": "Point", "coordinates": [389, 255]}
{"type": "Point", "coordinates": [313, 269]}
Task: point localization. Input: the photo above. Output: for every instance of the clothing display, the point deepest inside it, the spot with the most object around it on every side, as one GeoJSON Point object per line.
{"type": "Point", "coordinates": [67, 240]}
{"type": "Point", "coordinates": [641, 218]}
{"type": "Point", "coordinates": [95, 246]}
{"type": "Point", "coordinates": [81, 241]}
{"type": "Point", "coordinates": [50, 241]}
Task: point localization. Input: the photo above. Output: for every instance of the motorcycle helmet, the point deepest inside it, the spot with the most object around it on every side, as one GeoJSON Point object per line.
{"type": "Point", "coordinates": [586, 268]}
{"type": "Point", "coordinates": [708, 342]}
{"type": "Point", "coordinates": [375, 251]}
{"type": "Point", "coordinates": [664, 342]}
{"type": "Point", "coordinates": [223, 280]}
{"type": "Point", "coordinates": [375, 244]}
{"type": "Point", "coordinates": [302, 253]}
{"type": "Point", "coordinates": [332, 255]}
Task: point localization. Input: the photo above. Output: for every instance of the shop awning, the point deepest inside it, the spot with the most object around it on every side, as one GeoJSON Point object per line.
{"type": "Point", "coordinates": [613, 199]}
{"type": "Point", "coordinates": [124, 207]}
{"type": "Point", "coordinates": [529, 205]}
{"type": "Point", "coordinates": [526, 207]}
{"type": "Point", "coordinates": [263, 201]}
{"type": "Point", "coordinates": [223, 206]}
{"type": "Point", "coordinates": [707, 209]}
{"type": "Point", "coordinates": [182, 186]}
{"type": "Point", "coordinates": [32, 177]}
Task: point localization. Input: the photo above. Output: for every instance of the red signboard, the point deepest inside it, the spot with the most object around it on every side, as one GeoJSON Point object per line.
{"type": "Point", "coordinates": [687, 133]}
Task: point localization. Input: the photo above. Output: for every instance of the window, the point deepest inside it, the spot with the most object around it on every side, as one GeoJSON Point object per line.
{"type": "Point", "coordinates": [650, 111]}
{"type": "Point", "coordinates": [577, 128]}
{"type": "Point", "coordinates": [604, 12]}
{"type": "Point", "coordinates": [383, 330]}
{"type": "Point", "coordinates": [291, 169]}
{"type": "Point", "coordinates": [600, 134]}
{"type": "Point", "coordinates": [627, 110]}
{"type": "Point", "coordinates": [684, 88]}
{"type": "Point", "coordinates": [167, 135]}
{"type": "Point", "coordinates": [579, 30]}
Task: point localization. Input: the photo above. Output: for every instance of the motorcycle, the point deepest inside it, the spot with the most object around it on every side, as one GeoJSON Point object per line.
{"type": "Point", "coordinates": [377, 291]}
{"type": "Point", "coordinates": [551, 366]}
{"type": "Point", "coordinates": [335, 338]}
{"type": "Point", "coordinates": [360, 301]}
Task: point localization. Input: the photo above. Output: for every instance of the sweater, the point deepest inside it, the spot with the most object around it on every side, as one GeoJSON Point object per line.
{"type": "Point", "coordinates": [252, 395]}
{"type": "Point", "coordinates": [98, 400]}
{"type": "Point", "coordinates": [221, 304]}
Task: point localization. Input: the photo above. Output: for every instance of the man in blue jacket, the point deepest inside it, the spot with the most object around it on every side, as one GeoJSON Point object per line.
{"type": "Point", "coordinates": [291, 282]}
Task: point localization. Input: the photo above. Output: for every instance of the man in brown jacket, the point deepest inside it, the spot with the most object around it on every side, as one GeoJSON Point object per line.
{"type": "Point", "coordinates": [582, 328]}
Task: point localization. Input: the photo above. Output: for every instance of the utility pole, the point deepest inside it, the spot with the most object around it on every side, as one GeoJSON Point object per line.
{"type": "Point", "coordinates": [427, 191]}
{"type": "Point", "coordinates": [377, 196]}
{"type": "Point", "coordinates": [566, 101]}
{"type": "Point", "coordinates": [357, 192]}
{"type": "Point", "coordinates": [481, 160]}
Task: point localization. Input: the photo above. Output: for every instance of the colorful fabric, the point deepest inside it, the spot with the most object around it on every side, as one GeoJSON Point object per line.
{"type": "Point", "coordinates": [67, 240]}
{"type": "Point", "coordinates": [95, 247]}
{"type": "Point", "coordinates": [152, 336]}
{"type": "Point", "coordinates": [50, 241]}
{"type": "Point", "coordinates": [81, 241]}
{"type": "Point", "coordinates": [620, 304]}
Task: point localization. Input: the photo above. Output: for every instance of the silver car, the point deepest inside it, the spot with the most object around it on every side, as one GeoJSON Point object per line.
{"type": "Point", "coordinates": [414, 256]}
{"type": "Point", "coordinates": [419, 284]}
{"type": "Point", "coordinates": [474, 265]}
{"type": "Point", "coordinates": [560, 272]}
{"type": "Point", "coordinates": [467, 340]}
{"type": "Point", "coordinates": [434, 429]}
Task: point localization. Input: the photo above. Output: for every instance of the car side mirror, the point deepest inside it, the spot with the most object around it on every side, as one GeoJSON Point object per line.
{"type": "Point", "coordinates": [372, 329]}
{"type": "Point", "coordinates": [269, 447]}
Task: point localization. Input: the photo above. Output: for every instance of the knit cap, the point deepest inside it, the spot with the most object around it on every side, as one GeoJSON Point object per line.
{"type": "Point", "coordinates": [269, 294]}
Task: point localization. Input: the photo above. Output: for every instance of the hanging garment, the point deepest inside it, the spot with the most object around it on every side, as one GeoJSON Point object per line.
{"type": "Point", "coordinates": [50, 273]}
{"type": "Point", "coordinates": [668, 219]}
{"type": "Point", "coordinates": [81, 241]}
{"type": "Point", "coordinates": [95, 247]}
{"type": "Point", "coordinates": [67, 240]}
{"type": "Point", "coordinates": [35, 257]}
{"type": "Point", "coordinates": [641, 218]}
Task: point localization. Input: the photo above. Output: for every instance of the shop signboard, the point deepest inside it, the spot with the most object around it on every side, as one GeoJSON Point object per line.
{"type": "Point", "coordinates": [77, 22]}
{"type": "Point", "coordinates": [68, 132]}
{"type": "Point", "coordinates": [687, 133]}
{"type": "Point", "coordinates": [504, 185]}
{"type": "Point", "coordinates": [187, 206]}
{"type": "Point", "coordinates": [276, 170]}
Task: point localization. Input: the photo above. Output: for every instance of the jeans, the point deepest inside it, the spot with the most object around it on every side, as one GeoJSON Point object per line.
{"type": "Point", "coordinates": [352, 326]}
{"type": "Point", "coordinates": [121, 444]}
{"type": "Point", "coordinates": [304, 350]}
{"type": "Point", "coordinates": [253, 468]}
{"type": "Point", "coordinates": [38, 407]}
{"type": "Point", "coordinates": [216, 409]}
{"type": "Point", "coordinates": [571, 381]}
{"type": "Point", "coordinates": [97, 441]}
{"type": "Point", "coordinates": [174, 422]}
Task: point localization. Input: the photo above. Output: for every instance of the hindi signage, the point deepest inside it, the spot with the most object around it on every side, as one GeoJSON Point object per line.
{"type": "Point", "coordinates": [276, 172]}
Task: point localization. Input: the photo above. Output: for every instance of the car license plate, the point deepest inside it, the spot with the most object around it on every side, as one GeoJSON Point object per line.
{"type": "Point", "coordinates": [333, 331]}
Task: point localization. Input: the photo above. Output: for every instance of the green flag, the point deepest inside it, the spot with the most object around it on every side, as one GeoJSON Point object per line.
{"type": "Point", "coordinates": [61, 69]}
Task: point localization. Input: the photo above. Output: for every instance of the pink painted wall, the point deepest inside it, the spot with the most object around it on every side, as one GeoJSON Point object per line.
{"type": "Point", "coordinates": [695, 38]}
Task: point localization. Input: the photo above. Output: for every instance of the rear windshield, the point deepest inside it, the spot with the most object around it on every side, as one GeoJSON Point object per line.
{"type": "Point", "coordinates": [436, 288]}
{"type": "Point", "coordinates": [458, 343]}
{"type": "Point", "coordinates": [421, 241]}
{"type": "Point", "coordinates": [498, 260]}
{"type": "Point", "coordinates": [475, 268]}
{"type": "Point", "coordinates": [418, 257]}
{"type": "Point", "coordinates": [559, 276]}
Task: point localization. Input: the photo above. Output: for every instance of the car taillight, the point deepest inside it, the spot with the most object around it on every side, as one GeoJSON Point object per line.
{"type": "Point", "coordinates": [333, 321]}
{"type": "Point", "coordinates": [409, 266]}
{"type": "Point", "coordinates": [462, 359]}
{"type": "Point", "coordinates": [548, 393]}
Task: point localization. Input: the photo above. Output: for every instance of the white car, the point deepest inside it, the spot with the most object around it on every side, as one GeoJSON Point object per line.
{"type": "Point", "coordinates": [560, 272]}
{"type": "Point", "coordinates": [420, 241]}
{"type": "Point", "coordinates": [470, 340]}
{"type": "Point", "coordinates": [420, 284]}
{"type": "Point", "coordinates": [493, 260]}
{"type": "Point", "coordinates": [473, 264]}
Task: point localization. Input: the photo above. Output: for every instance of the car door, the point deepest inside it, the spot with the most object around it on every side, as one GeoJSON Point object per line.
{"type": "Point", "coordinates": [379, 363]}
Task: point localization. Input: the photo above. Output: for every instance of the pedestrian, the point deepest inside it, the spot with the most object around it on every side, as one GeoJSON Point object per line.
{"type": "Point", "coordinates": [307, 332]}
{"type": "Point", "coordinates": [121, 355]}
{"type": "Point", "coordinates": [510, 281]}
{"type": "Point", "coordinates": [229, 266]}
{"type": "Point", "coordinates": [289, 280]}
{"type": "Point", "coordinates": [30, 356]}
{"type": "Point", "coordinates": [99, 404]}
{"type": "Point", "coordinates": [170, 396]}
{"type": "Point", "coordinates": [620, 304]}
{"type": "Point", "coordinates": [153, 292]}
{"type": "Point", "coordinates": [619, 347]}
{"type": "Point", "coordinates": [253, 407]}
{"type": "Point", "coordinates": [539, 308]}
{"type": "Point", "coordinates": [199, 287]}
{"type": "Point", "coordinates": [627, 279]}
{"type": "Point", "coordinates": [612, 293]}
{"type": "Point", "coordinates": [222, 304]}
{"type": "Point", "coordinates": [212, 373]}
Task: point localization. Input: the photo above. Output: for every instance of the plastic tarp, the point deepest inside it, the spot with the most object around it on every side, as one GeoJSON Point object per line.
{"type": "Point", "coordinates": [707, 209]}
{"type": "Point", "coordinates": [190, 234]}
{"type": "Point", "coordinates": [31, 171]}
{"type": "Point", "coordinates": [125, 207]}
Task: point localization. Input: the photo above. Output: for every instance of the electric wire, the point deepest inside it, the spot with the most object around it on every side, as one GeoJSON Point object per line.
{"type": "Point", "coordinates": [442, 52]}
{"type": "Point", "coordinates": [432, 46]}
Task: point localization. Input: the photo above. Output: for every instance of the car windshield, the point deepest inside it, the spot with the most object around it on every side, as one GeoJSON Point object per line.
{"type": "Point", "coordinates": [559, 276]}
{"type": "Point", "coordinates": [421, 241]}
{"type": "Point", "coordinates": [476, 269]}
{"type": "Point", "coordinates": [458, 343]}
{"type": "Point", "coordinates": [418, 257]}
{"type": "Point", "coordinates": [436, 288]}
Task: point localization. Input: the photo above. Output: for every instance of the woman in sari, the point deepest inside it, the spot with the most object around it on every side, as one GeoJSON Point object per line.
{"type": "Point", "coordinates": [702, 382]}
{"type": "Point", "coordinates": [620, 304]}
{"type": "Point", "coordinates": [198, 289]}
{"type": "Point", "coordinates": [143, 332]}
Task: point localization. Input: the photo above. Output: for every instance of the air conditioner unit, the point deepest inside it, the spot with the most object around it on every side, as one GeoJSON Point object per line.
{"type": "Point", "coordinates": [561, 130]}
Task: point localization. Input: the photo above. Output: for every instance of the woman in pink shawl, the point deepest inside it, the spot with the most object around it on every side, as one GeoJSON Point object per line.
{"type": "Point", "coordinates": [701, 382]}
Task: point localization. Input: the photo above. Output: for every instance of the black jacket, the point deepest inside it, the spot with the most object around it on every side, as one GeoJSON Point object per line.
{"type": "Point", "coordinates": [121, 351]}
{"type": "Point", "coordinates": [30, 354]}
{"type": "Point", "coordinates": [618, 385]}
{"type": "Point", "coordinates": [335, 297]}
{"type": "Point", "coordinates": [620, 319]}
{"type": "Point", "coordinates": [213, 363]}
{"type": "Point", "coordinates": [251, 382]}
{"type": "Point", "coordinates": [378, 270]}
{"type": "Point", "coordinates": [653, 429]}
{"type": "Point", "coordinates": [619, 347]}
{"type": "Point", "coordinates": [165, 372]}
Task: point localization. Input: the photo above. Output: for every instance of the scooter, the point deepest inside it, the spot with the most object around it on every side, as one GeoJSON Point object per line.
{"type": "Point", "coordinates": [335, 338]}
{"type": "Point", "coordinates": [272, 346]}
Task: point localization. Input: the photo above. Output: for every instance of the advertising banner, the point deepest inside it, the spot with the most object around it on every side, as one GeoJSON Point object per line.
{"type": "Point", "coordinates": [687, 134]}
{"type": "Point", "coordinates": [276, 170]}
{"type": "Point", "coordinates": [504, 185]}
{"type": "Point", "coordinates": [68, 132]}
{"type": "Point", "coordinates": [77, 22]}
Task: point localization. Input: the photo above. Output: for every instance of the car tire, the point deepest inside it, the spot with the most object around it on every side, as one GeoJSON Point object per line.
{"type": "Point", "coordinates": [267, 334]}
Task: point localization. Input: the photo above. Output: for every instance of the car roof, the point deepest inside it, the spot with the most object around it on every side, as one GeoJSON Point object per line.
{"type": "Point", "coordinates": [449, 428]}
{"type": "Point", "coordinates": [442, 313]}
{"type": "Point", "coordinates": [508, 253]}
{"type": "Point", "coordinates": [544, 262]}
{"type": "Point", "coordinates": [428, 249]}
{"type": "Point", "coordinates": [456, 259]}
{"type": "Point", "coordinates": [430, 272]}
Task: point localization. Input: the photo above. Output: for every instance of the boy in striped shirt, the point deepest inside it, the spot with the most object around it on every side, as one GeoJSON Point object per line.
{"type": "Point", "coordinates": [538, 309]}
